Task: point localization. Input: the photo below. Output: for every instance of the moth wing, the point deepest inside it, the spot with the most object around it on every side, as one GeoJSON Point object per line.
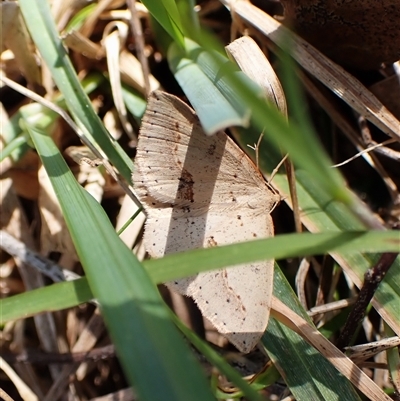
{"type": "Point", "coordinates": [201, 191]}
{"type": "Point", "coordinates": [177, 164]}
{"type": "Point", "coordinates": [236, 300]}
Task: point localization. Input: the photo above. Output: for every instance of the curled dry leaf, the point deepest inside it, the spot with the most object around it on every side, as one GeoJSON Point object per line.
{"type": "Point", "coordinates": [360, 33]}
{"type": "Point", "coordinates": [252, 61]}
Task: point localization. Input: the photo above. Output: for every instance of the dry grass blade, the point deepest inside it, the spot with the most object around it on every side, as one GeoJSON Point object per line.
{"type": "Point", "coordinates": [332, 306]}
{"type": "Point", "coordinates": [29, 257]}
{"type": "Point", "coordinates": [252, 61]}
{"type": "Point", "coordinates": [16, 38]}
{"type": "Point", "coordinates": [343, 364]}
{"type": "Point", "coordinates": [24, 391]}
{"type": "Point", "coordinates": [17, 224]}
{"type": "Point", "coordinates": [132, 73]}
{"type": "Point", "coordinates": [330, 104]}
{"type": "Point", "coordinates": [86, 341]}
{"type": "Point", "coordinates": [119, 55]}
{"type": "Point", "coordinates": [140, 44]}
{"type": "Point", "coordinates": [362, 352]}
{"type": "Point", "coordinates": [5, 396]}
{"type": "Point", "coordinates": [114, 37]}
{"type": "Point", "coordinates": [330, 74]}
{"type": "Point", "coordinates": [74, 40]}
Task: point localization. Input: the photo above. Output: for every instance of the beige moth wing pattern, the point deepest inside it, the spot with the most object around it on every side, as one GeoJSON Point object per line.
{"type": "Point", "coordinates": [200, 191]}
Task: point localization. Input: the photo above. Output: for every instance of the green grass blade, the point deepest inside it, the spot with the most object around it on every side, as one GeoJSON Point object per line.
{"type": "Point", "coordinates": [308, 374]}
{"type": "Point", "coordinates": [208, 86]}
{"type": "Point", "coordinates": [46, 299]}
{"type": "Point", "coordinates": [294, 355]}
{"type": "Point", "coordinates": [42, 28]}
{"type": "Point", "coordinates": [167, 15]}
{"type": "Point", "coordinates": [220, 363]}
{"type": "Point", "coordinates": [322, 213]}
{"type": "Point", "coordinates": [79, 18]}
{"type": "Point", "coordinates": [283, 246]}
{"type": "Point", "coordinates": [146, 340]}
{"type": "Point", "coordinates": [297, 139]}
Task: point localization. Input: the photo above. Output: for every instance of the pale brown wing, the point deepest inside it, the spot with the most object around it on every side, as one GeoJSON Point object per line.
{"type": "Point", "coordinates": [202, 191]}
{"type": "Point", "coordinates": [177, 164]}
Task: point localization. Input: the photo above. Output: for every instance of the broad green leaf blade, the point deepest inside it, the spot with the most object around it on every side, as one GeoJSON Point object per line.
{"type": "Point", "coordinates": [135, 315]}
{"type": "Point", "coordinates": [13, 135]}
{"type": "Point", "coordinates": [205, 77]}
{"type": "Point", "coordinates": [42, 28]}
{"type": "Point", "coordinates": [307, 373]}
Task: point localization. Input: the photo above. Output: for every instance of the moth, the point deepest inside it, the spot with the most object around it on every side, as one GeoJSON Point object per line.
{"type": "Point", "coordinates": [198, 192]}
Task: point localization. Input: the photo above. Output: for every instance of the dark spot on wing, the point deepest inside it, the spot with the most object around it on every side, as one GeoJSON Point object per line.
{"type": "Point", "coordinates": [211, 149]}
{"type": "Point", "coordinates": [211, 242]}
{"type": "Point", "coordinates": [185, 187]}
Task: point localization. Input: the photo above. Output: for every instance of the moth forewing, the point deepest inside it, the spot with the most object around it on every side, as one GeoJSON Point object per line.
{"type": "Point", "coordinates": [201, 191]}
